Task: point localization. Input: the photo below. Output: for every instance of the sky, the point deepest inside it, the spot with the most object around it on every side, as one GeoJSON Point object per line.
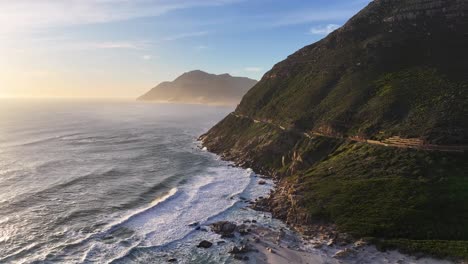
{"type": "Point", "coordinates": [122, 48]}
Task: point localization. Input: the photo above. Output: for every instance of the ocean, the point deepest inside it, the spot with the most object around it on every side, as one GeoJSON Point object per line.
{"type": "Point", "coordinates": [111, 182]}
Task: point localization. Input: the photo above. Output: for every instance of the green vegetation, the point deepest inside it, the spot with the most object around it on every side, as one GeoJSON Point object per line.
{"type": "Point", "coordinates": [414, 102]}
{"type": "Point", "coordinates": [437, 248]}
{"type": "Point", "coordinates": [393, 193]}
{"type": "Point", "coordinates": [382, 74]}
{"type": "Point", "coordinates": [371, 77]}
{"type": "Point", "coordinates": [243, 136]}
{"type": "Point", "coordinates": [413, 200]}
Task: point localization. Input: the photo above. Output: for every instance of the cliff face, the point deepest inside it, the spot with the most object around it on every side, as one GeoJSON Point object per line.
{"type": "Point", "coordinates": [201, 87]}
{"type": "Point", "coordinates": [323, 122]}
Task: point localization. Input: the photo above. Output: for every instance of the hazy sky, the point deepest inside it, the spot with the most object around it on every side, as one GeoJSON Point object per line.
{"type": "Point", "coordinates": [122, 48]}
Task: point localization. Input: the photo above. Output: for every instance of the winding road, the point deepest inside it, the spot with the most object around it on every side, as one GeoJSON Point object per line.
{"type": "Point", "coordinates": [312, 134]}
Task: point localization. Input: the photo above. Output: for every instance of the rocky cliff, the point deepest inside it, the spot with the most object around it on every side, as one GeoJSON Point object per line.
{"type": "Point", "coordinates": [201, 87]}
{"type": "Point", "coordinates": [394, 72]}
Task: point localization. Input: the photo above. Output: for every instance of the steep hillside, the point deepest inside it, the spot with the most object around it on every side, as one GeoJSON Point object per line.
{"type": "Point", "coordinates": [397, 67]}
{"type": "Point", "coordinates": [201, 87]}
{"type": "Point", "coordinates": [366, 129]}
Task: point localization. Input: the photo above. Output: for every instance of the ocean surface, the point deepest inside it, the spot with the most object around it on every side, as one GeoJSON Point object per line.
{"type": "Point", "coordinates": [110, 182]}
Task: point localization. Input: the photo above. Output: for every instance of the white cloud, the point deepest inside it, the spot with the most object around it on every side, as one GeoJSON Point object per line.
{"type": "Point", "coordinates": [146, 57]}
{"type": "Point", "coordinates": [115, 45]}
{"type": "Point", "coordinates": [186, 35]}
{"type": "Point", "coordinates": [71, 44]}
{"type": "Point", "coordinates": [324, 29]}
{"type": "Point", "coordinates": [253, 69]}
{"type": "Point", "coordinates": [24, 15]}
{"type": "Point", "coordinates": [201, 47]}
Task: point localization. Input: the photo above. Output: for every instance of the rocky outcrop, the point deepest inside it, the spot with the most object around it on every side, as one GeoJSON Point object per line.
{"type": "Point", "coordinates": [224, 228]}
{"type": "Point", "coordinates": [205, 244]}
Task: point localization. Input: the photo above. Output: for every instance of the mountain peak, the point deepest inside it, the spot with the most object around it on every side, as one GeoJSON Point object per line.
{"type": "Point", "coordinates": [203, 73]}
{"type": "Point", "coordinates": [201, 87]}
{"type": "Point", "coordinates": [194, 73]}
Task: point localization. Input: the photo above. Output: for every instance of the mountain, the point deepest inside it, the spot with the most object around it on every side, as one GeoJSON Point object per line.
{"type": "Point", "coordinates": [365, 130]}
{"type": "Point", "coordinates": [201, 87]}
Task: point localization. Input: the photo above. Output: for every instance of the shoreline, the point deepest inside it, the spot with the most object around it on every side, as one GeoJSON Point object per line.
{"type": "Point", "coordinates": [314, 244]}
{"type": "Point", "coordinates": [256, 237]}
{"type": "Point", "coordinates": [323, 245]}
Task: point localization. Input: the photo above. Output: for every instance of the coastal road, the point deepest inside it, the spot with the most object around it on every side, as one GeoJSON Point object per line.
{"type": "Point", "coordinates": [312, 134]}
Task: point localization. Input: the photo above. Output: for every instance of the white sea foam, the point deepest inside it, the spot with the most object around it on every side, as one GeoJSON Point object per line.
{"type": "Point", "coordinates": [167, 219]}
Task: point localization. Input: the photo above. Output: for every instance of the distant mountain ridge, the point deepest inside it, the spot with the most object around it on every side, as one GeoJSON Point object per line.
{"type": "Point", "coordinates": [201, 88]}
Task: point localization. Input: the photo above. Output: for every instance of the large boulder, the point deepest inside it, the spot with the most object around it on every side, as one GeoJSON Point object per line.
{"type": "Point", "coordinates": [224, 228]}
{"type": "Point", "coordinates": [205, 244]}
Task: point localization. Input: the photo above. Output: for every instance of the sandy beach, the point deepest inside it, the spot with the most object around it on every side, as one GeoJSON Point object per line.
{"type": "Point", "coordinates": [275, 247]}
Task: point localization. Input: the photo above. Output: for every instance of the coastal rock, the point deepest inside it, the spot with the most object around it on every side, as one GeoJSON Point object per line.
{"type": "Point", "coordinates": [205, 244]}
{"type": "Point", "coordinates": [224, 228]}
{"type": "Point", "coordinates": [172, 260]}
{"type": "Point", "coordinates": [317, 245]}
{"type": "Point", "coordinates": [244, 249]}
{"type": "Point", "coordinates": [262, 182]}
{"type": "Point", "coordinates": [235, 250]}
{"type": "Point", "coordinates": [194, 224]}
{"type": "Point", "coordinates": [344, 253]}
{"type": "Point", "coordinates": [360, 243]}
{"type": "Point", "coordinates": [344, 239]}
{"type": "Point", "coordinates": [243, 229]}
{"type": "Point", "coordinates": [244, 258]}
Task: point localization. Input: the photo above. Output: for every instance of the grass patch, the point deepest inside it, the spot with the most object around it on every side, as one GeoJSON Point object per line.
{"type": "Point", "coordinates": [435, 248]}
{"type": "Point", "coordinates": [393, 193]}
